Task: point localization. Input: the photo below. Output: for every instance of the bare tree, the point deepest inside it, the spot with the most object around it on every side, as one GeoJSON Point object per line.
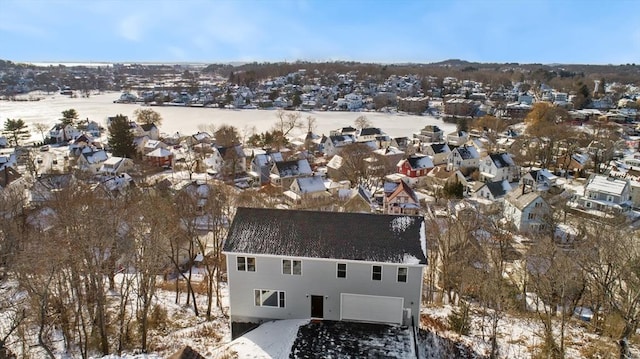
{"type": "Point", "coordinates": [558, 284]}
{"type": "Point", "coordinates": [610, 259]}
{"type": "Point", "coordinates": [287, 121]}
{"type": "Point", "coordinates": [41, 128]}
{"type": "Point", "coordinates": [362, 122]}
{"type": "Point", "coordinates": [147, 116]}
{"type": "Point", "coordinates": [151, 235]}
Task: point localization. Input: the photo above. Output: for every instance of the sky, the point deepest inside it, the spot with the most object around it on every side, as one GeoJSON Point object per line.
{"type": "Point", "coordinates": [381, 31]}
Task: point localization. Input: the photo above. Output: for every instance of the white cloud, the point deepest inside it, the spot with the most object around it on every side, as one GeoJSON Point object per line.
{"type": "Point", "coordinates": [131, 28]}
{"type": "Point", "coordinates": [177, 53]}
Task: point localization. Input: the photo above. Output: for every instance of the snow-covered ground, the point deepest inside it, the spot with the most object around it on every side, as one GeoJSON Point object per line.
{"type": "Point", "coordinates": [186, 120]}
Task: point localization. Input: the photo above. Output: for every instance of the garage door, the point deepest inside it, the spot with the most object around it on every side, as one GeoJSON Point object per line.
{"type": "Point", "coordinates": [371, 308]}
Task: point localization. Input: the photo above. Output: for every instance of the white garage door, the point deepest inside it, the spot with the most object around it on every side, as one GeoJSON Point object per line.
{"type": "Point", "coordinates": [371, 308]}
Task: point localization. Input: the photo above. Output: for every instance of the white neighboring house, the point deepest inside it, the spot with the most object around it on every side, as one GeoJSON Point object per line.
{"type": "Point", "coordinates": [492, 191]}
{"type": "Point", "coordinates": [91, 160]}
{"type": "Point", "coordinates": [63, 133]}
{"type": "Point", "coordinates": [439, 152]}
{"type": "Point", "coordinates": [8, 158]}
{"type": "Point", "coordinates": [527, 211]}
{"type": "Point", "coordinates": [539, 180]}
{"type": "Point", "coordinates": [152, 145]}
{"type": "Point", "coordinates": [306, 188]}
{"type": "Point", "coordinates": [334, 143]}
{"type": "Point", "coordinates": [606, 194]}
{"type": "Point", "coordinates": [457, 138]}
{"type": "Point", "coordinates": [497, 167]}
{"type": "Point", "coordinates": [116, 165]}
{"type": "Point", "coordinates": [463, 157]}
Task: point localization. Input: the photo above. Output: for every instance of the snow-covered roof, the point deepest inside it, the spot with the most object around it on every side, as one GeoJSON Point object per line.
{"type": "Point", "coordinates": [605, 184]}
{"type": "Point", "coordinates": [159, 152]}
{"type": "Point", "coordinates": [310, 184]}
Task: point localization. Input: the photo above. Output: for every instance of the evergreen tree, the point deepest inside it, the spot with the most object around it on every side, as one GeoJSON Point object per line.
{"type": "Point", "coordinates": [16, 130]}
{"type": "Point", "coordinates": [121, 137]}
{"type": "Point", "coordinates": [69, 116]}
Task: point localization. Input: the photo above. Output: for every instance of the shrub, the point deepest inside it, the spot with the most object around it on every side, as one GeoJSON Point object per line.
{"type": "Point", "coordinates": [459, 319]}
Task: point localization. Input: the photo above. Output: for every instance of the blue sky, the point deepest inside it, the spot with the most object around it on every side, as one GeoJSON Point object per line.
{"type": "Point", "coordinates": [524, 31]}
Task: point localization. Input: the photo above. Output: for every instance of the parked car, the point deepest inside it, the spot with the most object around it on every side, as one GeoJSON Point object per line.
{"type": "Point", "coordinates": [39, 159]}
{"type": "Point", "coordinates": [45, 148]}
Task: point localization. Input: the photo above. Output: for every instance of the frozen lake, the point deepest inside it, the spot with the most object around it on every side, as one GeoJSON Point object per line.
{"type": "Point", "coordinates": [186, 120]}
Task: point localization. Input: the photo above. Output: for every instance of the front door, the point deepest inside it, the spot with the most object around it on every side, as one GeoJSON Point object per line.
{"type": "Point", "coordinates": [317, 306]}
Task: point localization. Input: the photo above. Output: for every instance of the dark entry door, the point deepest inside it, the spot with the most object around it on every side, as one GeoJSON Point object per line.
{"type": "Point", "coordinates": [317, 306]}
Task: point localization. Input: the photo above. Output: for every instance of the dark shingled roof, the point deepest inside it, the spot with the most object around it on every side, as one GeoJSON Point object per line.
{"type": "Point", "coordinates": [500, 160]}
{"type": "Point", "coordinates": [311, 234]}
{"type": "Point", "coordinates": [368, 131]}
{"type": "Point", "coordinates": [439, 147]}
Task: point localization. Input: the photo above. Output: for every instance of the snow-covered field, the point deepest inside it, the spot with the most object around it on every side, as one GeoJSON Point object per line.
{"type": "Point", "coordinates": [186, 120]}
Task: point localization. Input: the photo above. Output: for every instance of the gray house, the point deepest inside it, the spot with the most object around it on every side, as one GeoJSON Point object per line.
{"type": "Point", "coordinates": [286, 264]}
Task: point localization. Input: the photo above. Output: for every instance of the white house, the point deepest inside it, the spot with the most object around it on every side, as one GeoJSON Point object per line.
{"type": "Point", "coordinates": [463, 157]}
{"type": "Point", "coordinates": [115, 166]}
{"type": "Point", "coordinates": [91, 160]}
{"type": "Point", "coordinates": [457, 138]}
{"type": "Point", "coordinates": [289, 264]}
{"type": "Point", "coordinates": [439, 152]}
{"type": "Point", "coordinates": [333, 144]}
{"type": "Point", "coordinates": [607, 194]}
{"type": "Point", "coordinates": [527, 211]}
{"type": "Point", "coordinates": [497, 167]}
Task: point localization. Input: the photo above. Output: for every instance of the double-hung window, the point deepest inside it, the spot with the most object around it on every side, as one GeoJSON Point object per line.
{"type": "Point", "coordinates": [402, 274]}
{"type": "Point", "coordinates": [376, 273]}
{"type": "Point", "coordinates": [342, 270]}
{"type": "Point", "coordinates": [293, 267]}
{"type": "Point", "coordinates": [246, 264]}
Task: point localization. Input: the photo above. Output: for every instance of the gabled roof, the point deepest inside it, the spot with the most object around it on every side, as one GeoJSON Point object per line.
{"type": "Point", "coordinates": [369, 131]}
{"type": "Point", "coordinates": [502, 160]}
{"type": "Point", "coordinates": [338, 140]}
{"type": "Point", "coordinates": [95, 156]}
{"type": "Point", "coordinates": [293, 168]}
{"type": "Point", "coordinates": [8, 175]}
{"type": "Point", "coordinates": [404, 187]}
{"type": "Point", "coordinates": [159, 152]}
{"type": "Point", "coordinates": [334, 235]}
{"type": "Point", "coordinates": [440, 148]}
{"type": "Point", "coordinates": [335, 162]}
{"type": "Point", "coordinates": [237, 148]}
{"type": "Point", "coordinates": [606, 184]}
{"type": "Point", "coordinates": [261, 160]}
{"type": "Point", "coordinates": [467, 152]}
{"type": "Point", "coordinates": [499, 189]}
{"type": "Point", "coordinates": [310, 184]}
{"type": "Point", "coordinates": [418, 162]}
{"type": "Point", "coordinates": [148, 126]}
{"type": "Point", "coordinates": [54, 181]}
{"type": "Point", "coordinates": [521, 200]}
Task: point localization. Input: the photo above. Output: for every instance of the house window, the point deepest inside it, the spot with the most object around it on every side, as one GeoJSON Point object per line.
{"type": "Point", "coordinates": [609, 198]}
{"type": "Point", "coordinates": [402, 274]}
{"type": "Point", "coordinates": [376, 273]}
{"type": "Point", "coordinates": [291, 267]}
{"type": "Point", "coordinates": [268, 298]}
{"type": "Point", "coordinates": [342, 270]}
{"type": "Point", "coordinates": [532, 215]}
{"type": "Point", "coordinates": [246, 264]}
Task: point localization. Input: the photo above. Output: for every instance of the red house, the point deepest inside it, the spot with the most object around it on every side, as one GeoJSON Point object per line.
{"type": "Point", "coordinates": [415, 166]}
{"type": "Point", "coordinates": [160, 157]}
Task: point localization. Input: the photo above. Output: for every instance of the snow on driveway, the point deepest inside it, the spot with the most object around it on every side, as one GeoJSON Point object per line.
{"type": "Point", "coordinates": [269, 340]}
